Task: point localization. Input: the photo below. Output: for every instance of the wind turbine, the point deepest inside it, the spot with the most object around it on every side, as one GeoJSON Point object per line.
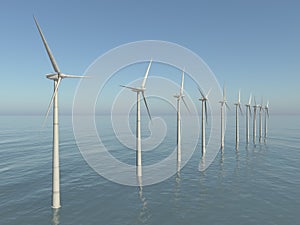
{"type": "Point", "coordinates": [260, 120]}
{"type": "Point", "coordinates": [138, 91]}
{"type": "Point", "coordinates": [179, 97]}
{"type": "Point", "coordinates": [204, 99]}
{"type": "Point", "coordinates": [266, 114]}
{"type": "Point", "coordinates": [223, 102]}
{"type": "Point", "coordinates": [248, 114]}
{"type": "Point", "coordinates": [57, 76]}
{"type": "Point", "coordinates": [254, 120]}
{"type": "Point", "coordinates": [237, 107]}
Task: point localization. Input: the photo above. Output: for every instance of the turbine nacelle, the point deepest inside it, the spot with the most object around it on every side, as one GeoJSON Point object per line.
{"type": "Point", "coordinates": [178, 96]}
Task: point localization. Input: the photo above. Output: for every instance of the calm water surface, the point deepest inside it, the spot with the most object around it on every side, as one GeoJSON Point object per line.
{"type": "Point", "coordinates": [259, 184]}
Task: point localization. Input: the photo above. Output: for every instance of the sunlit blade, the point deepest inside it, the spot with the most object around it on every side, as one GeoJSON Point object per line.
{"type": "Point", "coordinates": [208, 93]}
{"type": "Point", "coordinates": [205, 111]}
{"type": "Point", "coordinates": [224, 93]}
{"type": "Point", "coordinates": [182, 82]}
{"type": "Point", "coordinates": [185, 104]}
{"type": "Point", "coordinates": [146, 105]}
{"type": "Point", "coordinates": [239, 96]}
{"type": "Point", "coordinates": [146, 74]}
{"type": "Point", "coordinates": [72, 76]}
{"type": "Point", "coordinates": [54, 64]}
{"type": "Point", "coordinates": [203, 96]}
{"type": "Point", "coordinates": [51, 101]}
{"type": "Point", "coordinates": [250, 99]}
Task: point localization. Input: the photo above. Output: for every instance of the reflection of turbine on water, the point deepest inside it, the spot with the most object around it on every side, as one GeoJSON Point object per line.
{"type": "Point", "coordinates": [178, 168]}
{"type": "Point", "coordinates": [144, 213]}
{"type": "Point", "coordinates": [202, 164]}
{"type": "Point", "coordinates": [55, 216]}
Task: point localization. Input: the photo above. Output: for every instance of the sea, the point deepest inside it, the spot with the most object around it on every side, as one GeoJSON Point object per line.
{"type": "Point", "coordinates": [254, 184]}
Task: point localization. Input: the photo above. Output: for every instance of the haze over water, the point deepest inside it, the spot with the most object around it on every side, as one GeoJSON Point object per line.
{"type": "Point", "coordinates": [259, 184]}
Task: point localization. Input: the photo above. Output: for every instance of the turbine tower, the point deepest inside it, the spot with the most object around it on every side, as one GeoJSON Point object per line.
{"type": "Point", "coordinates": [237, 107]}
{"type": "Point", "coordinates": [56, 77]}
{"type": "Point", "coordinates": [204, 99]}
{"type": "Point", "coordinates": [179, 97]}
{"type": "Point", "coordinates": [266, 114]}
{"type": "Point", "coordinates": [260, 120]}
{"type": "Point", "coordinates": [138, 91]}
{"type": "Point", "coordinates": [254, 121]}
{"type": "Point", "coordinates": [248, 115]}
{"type": "Point", "coordinates": [223, 102]}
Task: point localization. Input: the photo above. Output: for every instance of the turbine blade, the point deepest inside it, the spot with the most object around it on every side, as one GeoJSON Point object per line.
{"type": "Point", "coordinates": [185, 104]}
{"type": "Point", "coordinates": [146, 105]}
{"type": "Point", "coordinates": [205, 111]}
{"type": "Point", "coordinates": [227, 106]}
{"type": "Point", "coordinates": [254, 101]}
{"type": "Point", "coordinates": [240, 109]}
{"type": "Point", "coordinates": [146, 74]}
{"type": "Point", "coordinates": [51, 101]}
{"type": "Point", "coordinates": [239, 97]}
{"type": "Point", "coordinates": [224, 93]}
{"type": "Point", "coordinates": [131, 88]}
{"type": "Point", "coordinates": [203, 96]}
{"type": "Point", "coordinates": [250, 110]}
{"type": "Point", "coordinates": [208, 93]}
{"type": "Point", "coordinates": [182, 82]}
{"type": "Point", "coordinates": [267, 112]}
{"type": "Point", "coordinates": [54, 64]}
{"type": "Point", "coordinates": [250, 99]}
{"type": "Point", "coordinates": [72, 76]}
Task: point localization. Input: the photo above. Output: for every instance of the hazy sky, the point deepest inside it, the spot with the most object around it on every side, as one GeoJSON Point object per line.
{"type": "Point", "coordinates": [252, 45]}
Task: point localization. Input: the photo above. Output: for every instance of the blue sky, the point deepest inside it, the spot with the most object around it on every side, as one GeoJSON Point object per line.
{"type": "Point", "coordinates": [251, 45]}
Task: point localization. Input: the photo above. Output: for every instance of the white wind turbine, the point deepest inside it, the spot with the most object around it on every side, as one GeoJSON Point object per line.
{"type": "Point", "coordinates": [237, 108]}
{"type": "Point", "coordinates": [260, 120]}
{"type": "Point", "coordinates": [57, 76]}
{"type": "Point", "coordinates": [248, 115]}
{"type": "Point", "coordinates": [204, 99]}
{"type": "Point", "coordinates": [266, 114]}
{"type": "Point", "coordinates": [254, 120]}
{"type": "Point", "coordinates": [179, 97]}
{"type": "Point", "coordinates": [223, 103]}
{"type": "Point", "coordinates": [139, 90]}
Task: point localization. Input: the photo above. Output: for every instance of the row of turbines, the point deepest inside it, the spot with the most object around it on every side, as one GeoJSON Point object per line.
{"type": "Point", "coordinates": [224, 104]}
{"type": "Point", "coordinates": [58, 76]}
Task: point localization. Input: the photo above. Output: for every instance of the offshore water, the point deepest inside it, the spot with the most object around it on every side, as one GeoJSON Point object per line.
{"type": "Point", "coordinates": [258, 184]}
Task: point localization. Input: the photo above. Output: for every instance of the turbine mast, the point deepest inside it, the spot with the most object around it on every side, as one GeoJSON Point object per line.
{"type": "Point", "coordinates": [138, 135]}
{"type": "Point", "coordinates": [55, 161]}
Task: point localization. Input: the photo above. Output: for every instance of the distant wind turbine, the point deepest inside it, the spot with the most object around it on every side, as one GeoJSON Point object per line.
{"type": "Point", "coordinates": [179, 97]}
{"type": "Point", "coordinates": [254, 120]}
{"type": "Point", "coordinates": [139, 90]}
{"type": "Point", "coordinates": [223, 102]}
{"type": "Point", "coordinates": [260, 120]}
{"type": "Point", "coordinates": [56, 77]}
{"type": "Point", "coordinates": [204, 99]}
{"type": "Point", "coordinates": [248, 115]}
{"type": "Point", "coordinates": [237, 108]}
{"type": "Point", "coordinates": [266, 114]}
